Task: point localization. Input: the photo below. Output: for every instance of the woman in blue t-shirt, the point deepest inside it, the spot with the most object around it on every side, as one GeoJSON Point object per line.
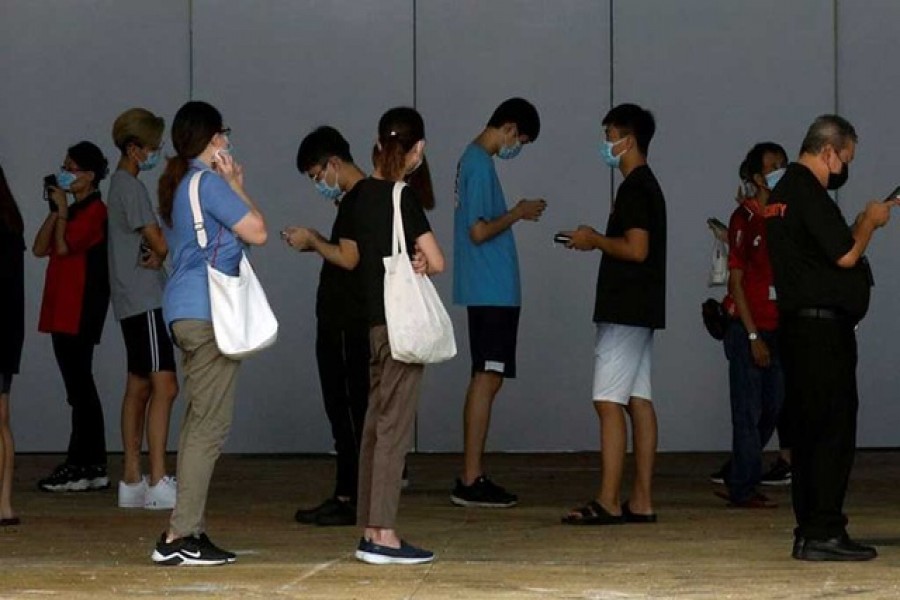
{"type": "Point", "coordinates": [231, 219]}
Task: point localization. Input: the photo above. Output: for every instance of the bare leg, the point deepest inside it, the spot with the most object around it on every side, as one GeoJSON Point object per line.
{"type": "Point", "coordinates": [7, 459]}
{"type": "Point", "coordinates": [134, 407]}
{"type": "Point", "coordinates": [613, 439]}
{"type": "Point", "coordinates": [480, 396]}
{"type": "Point", "coordinates": [164, 386]}
{"type": "Point", "coordinates": [644, 431]}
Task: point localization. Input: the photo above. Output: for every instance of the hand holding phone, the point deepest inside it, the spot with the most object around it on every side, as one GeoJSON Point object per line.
{"type": "Point", "coordinates": [562, 238]}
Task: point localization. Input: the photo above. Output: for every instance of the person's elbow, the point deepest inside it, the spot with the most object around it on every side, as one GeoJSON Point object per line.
{"type": "Point", "coordinates": [252, 229]}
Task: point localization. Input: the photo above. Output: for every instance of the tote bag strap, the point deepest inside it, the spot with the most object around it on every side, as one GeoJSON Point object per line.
{"type": "Point", "coordinates": [194, 193]}
{"type": "Point", "coordinates": [398, 242]}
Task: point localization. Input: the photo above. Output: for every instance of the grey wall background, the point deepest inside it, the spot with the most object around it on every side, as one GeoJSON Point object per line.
{"type": "Point", "coordinates": [719, 76]}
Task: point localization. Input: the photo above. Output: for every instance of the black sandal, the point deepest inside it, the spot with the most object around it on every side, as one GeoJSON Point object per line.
{"type": "Point", "coordinates": [633, 517]}
{"type": "Point", "coordinates": [592, 514]}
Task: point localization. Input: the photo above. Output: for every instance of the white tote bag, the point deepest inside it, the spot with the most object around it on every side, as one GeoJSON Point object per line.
{"type": "Point", "coordinates": [242, 319]}
{"type": "Point", "coordinates": [419, 328]}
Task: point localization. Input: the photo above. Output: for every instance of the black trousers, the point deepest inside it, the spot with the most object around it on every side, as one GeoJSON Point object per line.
{"type": "Point", "coordinates": [821, 402]}
{"type": "Point", "coordinates": [75, 357]}
{"type": "Point", "coordinates": [342, 353]}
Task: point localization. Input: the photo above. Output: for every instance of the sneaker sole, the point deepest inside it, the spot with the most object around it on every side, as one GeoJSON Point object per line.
{"type": "Point", "coordinates": [135, 504]}
{"type": "Point", "coordinates": [779, 483]}
{"type": "Point", "coordinates": [380, 559]}
{"type": "Point", "coordinates": [157, 506]}
{"type": "Point", "coordinates": [177, 559]}
{"type": "Point", "coordinates": [82, 485]}
{"type": "Point", "coordinates": [476, 504]}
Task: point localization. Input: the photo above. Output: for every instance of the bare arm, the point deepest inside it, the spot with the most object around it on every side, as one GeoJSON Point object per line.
{"type": "Point", "coordinates": [156, 240]}
{"type": "Point", "coordinates": [874, 216]}
{"type": "Point", "coordinates": [427, 245]}
{"type": "Point", "coordinates": [530, 210]}
{"type": "Point", "coordinates": [44, 236]}
{"type": "Point", "coordinates": [758, 348]}
{"type": "Point", "coordinates": [633, 246]}
{"type": "Point", "coordinates": [252, 226]}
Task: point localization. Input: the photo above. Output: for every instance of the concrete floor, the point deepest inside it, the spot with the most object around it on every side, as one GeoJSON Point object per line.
{"type": "Point", "coordinates": [81, 546]}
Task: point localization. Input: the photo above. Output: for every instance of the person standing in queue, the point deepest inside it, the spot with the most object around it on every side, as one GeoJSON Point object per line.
{"type": "Point", "coordinates": [822, 280]}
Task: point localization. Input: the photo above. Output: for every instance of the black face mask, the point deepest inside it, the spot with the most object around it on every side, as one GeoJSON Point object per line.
{"type": "Point", "coordinates": [836, 180]}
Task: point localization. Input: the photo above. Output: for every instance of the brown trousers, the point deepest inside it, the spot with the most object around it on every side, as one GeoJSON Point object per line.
{"type": "Point", "coordinates": [209, 385]}
{"type": "Point", "coordinates": [387, 434]}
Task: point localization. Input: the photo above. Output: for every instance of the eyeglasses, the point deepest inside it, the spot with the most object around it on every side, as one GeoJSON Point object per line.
{"type": "Point", "coordinates": [225, 131]}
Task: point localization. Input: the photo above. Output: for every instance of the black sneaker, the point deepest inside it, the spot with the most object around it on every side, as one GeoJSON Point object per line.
{"type": "Point", "coordinates": [369, 552]}
{"type": "Point", "coordinates": [343, 513]}
{"type": "Point", "coordinates": [779, 474]}
{"type": "Point", "coordinates": [74, 478]}
{"type": "Point", "coordinates": [188, 551]}
{"type": "Point", "coordinates": [483, 493]}
{"type": "Point", "coordinates": [208, 543]}
{"type": "Point", "coordinates": [308, 516]}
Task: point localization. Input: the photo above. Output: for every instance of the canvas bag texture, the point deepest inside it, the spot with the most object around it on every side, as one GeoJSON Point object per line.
{"type": "Point", "coordinates": [419, 328]}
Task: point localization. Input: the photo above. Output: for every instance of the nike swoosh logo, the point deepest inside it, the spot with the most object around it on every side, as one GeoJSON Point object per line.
{"type": "Point", "coordinates": [190, 554]}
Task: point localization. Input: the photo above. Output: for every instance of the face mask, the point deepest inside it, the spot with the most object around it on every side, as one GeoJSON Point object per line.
{"type": "Point", "coordinates": [509, 152]}
{"type": "Point", "coordinates": [331, 192]}
{"type": "Point", "coordinates": [65, 179]}
{"type": "Point", "coordinates": [774, 177]}
{"type": "Point", "coordinates": [836, 180]}
{"type": "Point", "coordinates": [606, 153]}
{"type": "Point", "coordinates": [150, 162]}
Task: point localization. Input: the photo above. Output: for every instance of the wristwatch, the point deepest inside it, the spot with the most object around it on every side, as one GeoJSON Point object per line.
{"type": "Point", "coordinates": [753, 336]}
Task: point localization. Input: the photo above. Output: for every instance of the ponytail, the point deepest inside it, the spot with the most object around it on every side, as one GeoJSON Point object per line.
{"type": "Point", "coordinates": [420, 182]}
{"type": "Point", "coordinates": [195, 124]}
{"type": "Point", "coordinates": [399, 130]}
{"type": "Point", "coordinates": [176, 169]}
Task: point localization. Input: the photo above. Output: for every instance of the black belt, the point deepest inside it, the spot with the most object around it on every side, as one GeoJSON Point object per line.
{"type": "Point", "coordinates": [820, 313]}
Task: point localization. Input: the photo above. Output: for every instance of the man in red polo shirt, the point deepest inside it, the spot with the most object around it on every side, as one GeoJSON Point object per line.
{"type": "Point", "coordinates": [754, 366]}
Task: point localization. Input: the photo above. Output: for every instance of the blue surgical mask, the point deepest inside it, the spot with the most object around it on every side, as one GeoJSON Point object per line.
{"type": "Point", "coordinates": [64, 179]}
{"type": "Point", "coordinates": [332, 192]}
{"type": "Point", "coordinates": [606, 153]}
{"type": "Point", "coordinates": [509, 152]}
{"type": "Point", "coordinates": [150, 162]}
{"type": "Point", "coordinates": [773, 178]}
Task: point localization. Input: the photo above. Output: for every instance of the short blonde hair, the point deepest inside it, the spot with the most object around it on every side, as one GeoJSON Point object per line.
{"type": "Point", "coordinates": [137, 126]}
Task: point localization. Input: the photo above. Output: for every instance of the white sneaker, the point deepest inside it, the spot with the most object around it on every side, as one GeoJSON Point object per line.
{"type": "Point", "coordinates": [162, 495]}
{"type": "Point", "coordinates": [133, 495]}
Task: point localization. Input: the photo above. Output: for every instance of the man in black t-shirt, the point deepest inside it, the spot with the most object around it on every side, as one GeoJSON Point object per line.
{"type": "Point", "coordinates": [342, 331]}
{"type": "Point", "coordinates": [630, 305]}
{"type": "Point", "coordinates": [822, 282]}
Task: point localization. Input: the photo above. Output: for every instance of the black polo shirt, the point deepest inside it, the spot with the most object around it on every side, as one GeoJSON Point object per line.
{"type": "Point", "coordinates": [807, 235]}
{"type": "Point", "coordinates": [631, 293]}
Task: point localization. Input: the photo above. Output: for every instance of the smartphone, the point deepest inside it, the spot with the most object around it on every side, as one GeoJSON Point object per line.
{"type": "Point", "coordinates": [49, 182]}
{"type": "Point", "coordinates": [895, 195]}
{"type": "Point", "coordinates": [562, 238]}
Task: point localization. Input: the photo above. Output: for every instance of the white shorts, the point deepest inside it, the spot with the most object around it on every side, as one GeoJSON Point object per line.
{"type": "Point", "coordinates": [622, 363]}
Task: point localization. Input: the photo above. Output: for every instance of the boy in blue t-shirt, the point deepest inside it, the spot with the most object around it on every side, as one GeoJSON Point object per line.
{"type": "Point", "coordinates": [486, 281]}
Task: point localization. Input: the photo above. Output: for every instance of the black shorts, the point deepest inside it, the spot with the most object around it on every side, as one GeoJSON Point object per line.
{"type": "Point", "coordinates": [493, 333]}
{"type": "Point", "coordinates": [147, 343]}
{"type": "Point", "coordinates": [5, 382]}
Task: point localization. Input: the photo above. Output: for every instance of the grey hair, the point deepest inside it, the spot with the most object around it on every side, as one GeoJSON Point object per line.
{"type": "Point", "coordinates": [832, 130]}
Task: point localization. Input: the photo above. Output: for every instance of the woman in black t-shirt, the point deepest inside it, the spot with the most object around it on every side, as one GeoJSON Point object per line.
{"type": "Point", "coordinates": [394, 386]}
